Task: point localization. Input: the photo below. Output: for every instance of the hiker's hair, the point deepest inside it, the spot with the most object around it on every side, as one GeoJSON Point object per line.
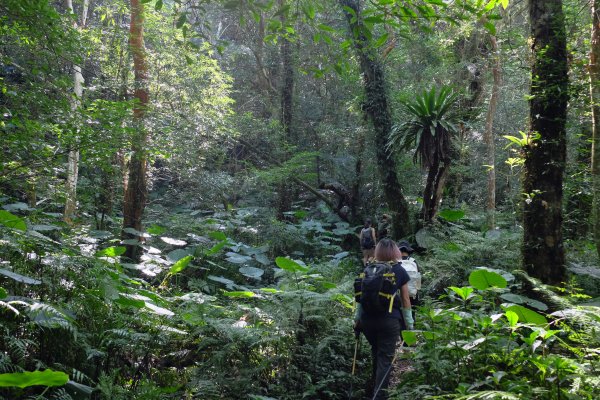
{"type": "Point", "coordinates": [387, 250]}
{"type": "Point", "coordinates": [368, 222]}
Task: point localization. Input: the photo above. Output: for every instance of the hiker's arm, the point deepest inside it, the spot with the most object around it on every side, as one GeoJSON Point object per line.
{"type": "Point", "coordinates": [404, 296]}
{"type": "Point", "coordinates": [406, 308]}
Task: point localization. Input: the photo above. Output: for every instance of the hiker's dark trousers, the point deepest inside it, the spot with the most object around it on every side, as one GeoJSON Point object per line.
{"type": "Point", "coordinates": [382, 334]}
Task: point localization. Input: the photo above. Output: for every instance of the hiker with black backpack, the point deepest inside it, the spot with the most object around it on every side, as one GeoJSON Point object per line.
{"type": "Point", "coordinates": [383, 309]}
{"type": "Point", "coordinates": [368, 240]}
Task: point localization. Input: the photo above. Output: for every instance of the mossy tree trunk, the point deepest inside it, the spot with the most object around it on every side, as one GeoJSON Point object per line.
{"type": "Point", "coordinates": [595, 99]}
{"type": "Point", "coordinates": [543, 251]}
{"type": "Point", "coordinates": [376, 107]}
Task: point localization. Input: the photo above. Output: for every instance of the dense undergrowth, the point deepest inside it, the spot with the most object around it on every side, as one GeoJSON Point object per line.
{"type": "Point", "coordinates": [234, 305]}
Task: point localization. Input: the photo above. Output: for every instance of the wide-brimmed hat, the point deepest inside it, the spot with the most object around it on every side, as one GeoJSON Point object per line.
{"type": "Point", "coordinates": [405, 246]}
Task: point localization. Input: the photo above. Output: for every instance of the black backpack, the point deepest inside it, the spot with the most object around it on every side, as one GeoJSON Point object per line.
{"type": "Point", "coordinates": [367, 239]}
{"type": "Point", "coordinates": [375, 289]}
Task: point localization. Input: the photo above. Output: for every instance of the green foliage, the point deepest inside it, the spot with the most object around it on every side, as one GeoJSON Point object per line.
{"type": "Point", "coordinates": [429, 128]}
{"type": "Point", "coordinates": [479, 352]}
{"type": "Point", "coordinates": [35, 378]}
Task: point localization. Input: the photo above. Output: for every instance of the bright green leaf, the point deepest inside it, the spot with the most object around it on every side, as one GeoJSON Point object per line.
{"type": "Point", "coordinates": [409, 337]}
{"type": "Point", "coordinates": [451, 215]}
{"type": "Point", "coordinates": [12, 221]}
{"type": "Point", "coordinates": [463, 292]}
{"type": "Point", "coordinates": [113, 251]}
{"type": "Point", "coordinates": [181, 264]}
{"type": "Point", "coordinates": [483, 279]}
{"type": "Point", "coordinates": [512, 318]}
{"type": "Point", "coordinates": [238, 294]}
{"type": "Point", "coordinates": [289, 265]}
{"type": "Point", "coordinates": [36, 378]}
{"type": "Point", "coordinates": [527, 316]}
{"type": "Point", "coordinates": [217, 235]}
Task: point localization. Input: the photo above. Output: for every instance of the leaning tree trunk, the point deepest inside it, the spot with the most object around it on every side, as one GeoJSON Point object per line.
{"type": "Point", "coordinates": [73, 158]}
{"type": "Point", "coordinates": [595, 100]}
{"type": "Point", "coordinates": [136, 190]}
{"type": "Point", "coordinates": [543, 251]}
{"type": "Point", "coordinates": [376, 107]}
{"type": "Point", "coordinates": [488, 137]}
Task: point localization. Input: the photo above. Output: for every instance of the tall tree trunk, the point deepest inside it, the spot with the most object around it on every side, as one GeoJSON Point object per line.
{"type": "Point", "coordinates": [488, 138]}
{"type": "Point", "coordinates": [284, 202]}
{"type": "Point", "coordinates": [543, 251]}
{"type": "Point", "coordinates": [594, 69]}
{"type": "Point", "coordinates": [73, 158]}
{"type": "Point", "coordinates": [376, 107]}
{"type": "Point", "coordinates": [136, 190]}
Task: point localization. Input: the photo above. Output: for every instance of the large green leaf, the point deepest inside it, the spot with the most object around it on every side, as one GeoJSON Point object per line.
{"type": "Point", "coordinates": [42, 378]}
{"type": "Point", "coordinates": [289, 265]}
{"type": "Point", "coordinates": [527, 316]}
{"type": "Point", "coordinates": [451, 215]}
{"type": "Point", "coordinates": [483, 279]}
{"type": "Point", "coordinates": [12, 221]}
{"type": "Point", "coordinates": [409, 337]}
{"type": "Point", "coordinates": [252, 272]}
{"type": "Point", "coordinates": [519, 299]}
{"type": "Point", "coordinates": [19, 278]}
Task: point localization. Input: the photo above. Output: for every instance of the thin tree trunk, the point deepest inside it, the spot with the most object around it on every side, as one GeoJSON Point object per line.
{"type": "Point", "coordinates": [488, 138]}
{"type": "Point", "coordinates": [284, 202]}
{"type": "Point", "coordinates": [543, 251]}
{"type": "Point", "coordinates": [594, 70]}
{"type": "Point", "coordinates": [358, 167]}
{"type": "Point", "coordinates": [376, 107]}
{"type": "Point", "coordinates": [73, 158]}
{"type": "Point", "coordinates": [136, 190]}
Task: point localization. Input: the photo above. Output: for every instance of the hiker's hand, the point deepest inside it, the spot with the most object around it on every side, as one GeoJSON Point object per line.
{"type": "Point", "coordinates": [409, 322]}
{"type": "Point", "coordinates": [357, 328]}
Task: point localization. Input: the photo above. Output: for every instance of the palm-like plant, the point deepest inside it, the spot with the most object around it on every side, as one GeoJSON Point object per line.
{"type": "Point", "coordinates": [429, 131]}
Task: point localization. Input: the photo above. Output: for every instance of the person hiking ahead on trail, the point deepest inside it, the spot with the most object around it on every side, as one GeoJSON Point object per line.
{"type": "Point", "coordinates": [384, 228]}
{"type": "Point", "coordinates": [381, 324]}
{"type": "Point", "coordinates": [414, 272]}
{"type": "Point", "coordinates": [368, 240]}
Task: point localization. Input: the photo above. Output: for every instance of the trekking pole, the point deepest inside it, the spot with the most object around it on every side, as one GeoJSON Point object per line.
{"type": "Point", "coordinates": [354, 367]}
{"type": "Point", "coordinates": [387, 372]}
{"type": "Point", "coordinates": [355, 353]}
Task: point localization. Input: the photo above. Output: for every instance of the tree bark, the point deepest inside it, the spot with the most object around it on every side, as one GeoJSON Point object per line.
{"type": "Point", "coordinates": [594, 71]}
{"type": "Point", "coordinates": [136, 190]}
{"type": "Point", "coordinates": [488, 137]}
{"type": "Point", "coordinates": [73, 158]}
{"type": "Point", "coordinates": [376, 107]}
{"type": "Point", "coordinates": [284, 202]}
{"type": "Point", "coordinates": [543, 251]}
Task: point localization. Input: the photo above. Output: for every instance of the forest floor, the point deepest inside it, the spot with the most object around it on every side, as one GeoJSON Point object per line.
{"type": "Point", "coordinates": [402, 365]}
